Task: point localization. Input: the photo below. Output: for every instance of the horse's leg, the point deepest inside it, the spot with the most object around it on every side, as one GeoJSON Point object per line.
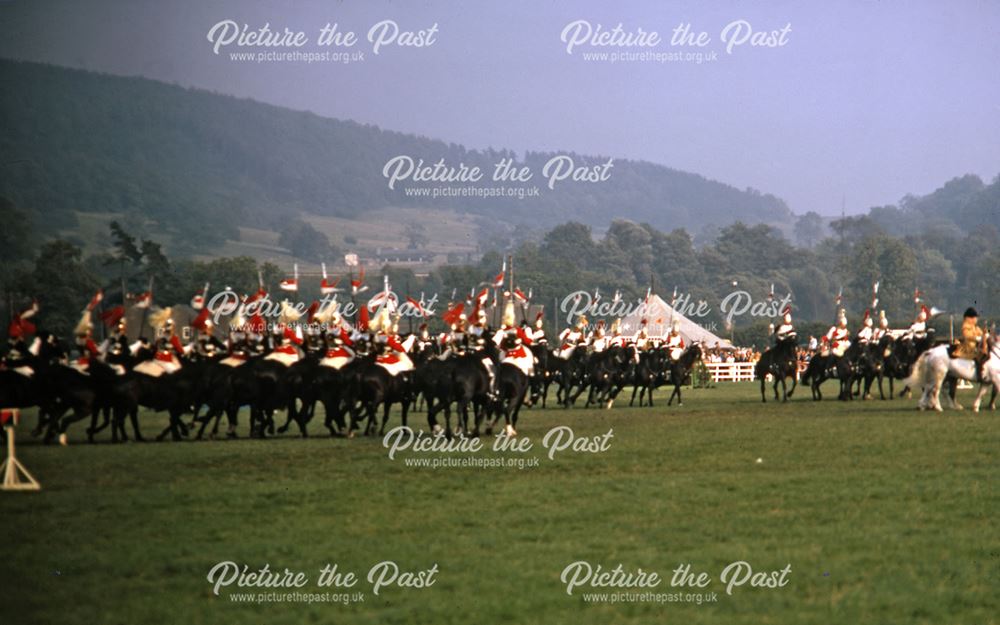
{"type": "Point", "coordinates": [210, 414]}
{"type": "Point", "coordinates": [290, 414]}
{"type": "Point", "coordinates": [763, 389]}
{"type": "Point", "coordinates": [447, 418]}
{"type": "Point", "coordinates": [94, 428]}
{"type": "Point", "coordinates": [302, 417]}
{"type": "Point", "coordinates": [404, 410]}
{"type": "Point", "coordinates": [979, 397]}
{"type": "Point", "coordinates": [386, 407]}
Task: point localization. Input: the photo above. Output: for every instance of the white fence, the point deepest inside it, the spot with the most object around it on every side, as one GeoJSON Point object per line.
{"type": "Point", "coordinates": [731, 371]}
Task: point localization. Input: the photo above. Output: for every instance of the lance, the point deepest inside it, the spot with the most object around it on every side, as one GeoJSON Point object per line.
{"type": "Point", "coordinates": [409, 318]}
{"type": "Point", "coordinates": [145, 311]}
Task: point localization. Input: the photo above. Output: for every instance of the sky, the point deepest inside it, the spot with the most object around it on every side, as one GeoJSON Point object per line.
{"type": "Point", "coordinates": [863, 102]}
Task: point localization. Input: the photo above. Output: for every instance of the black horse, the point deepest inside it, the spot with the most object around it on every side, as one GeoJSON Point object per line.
{"type": "Point", "coordinates": [680, 371]}
{"type": "Point", "coordinates": [603, 375]}
{"type": "Point", "coordinates": [780, 362]}
{"type": "Point", "coordinates": [648, 374]}
{"type": "Point", "coordinates": [511, 387]}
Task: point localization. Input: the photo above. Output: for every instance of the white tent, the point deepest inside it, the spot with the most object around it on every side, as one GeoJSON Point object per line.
{"type": "Point", "coordinates": [658, 315]}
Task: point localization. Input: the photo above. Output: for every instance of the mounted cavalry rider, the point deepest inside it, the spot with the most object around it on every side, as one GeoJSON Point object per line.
{"type": "Point", "coordinates": [883, 328]}
{"type": "Point", "coordinates": [392, 353]}
{"type": "Point", "coordinates": [117, 349]}
{"type": "Point", "coordinates": [918, 330]}
{"type": "Point", "coordinates": [641, 340]}
{"type": "Point", "coordinates": [424, 339]}
{"type": "Point", "coordinates": [571, 338]}
{"type": "Point", "coordinates": [339, 350]}
{"type": "Point", "coordinates": [206, 346]}
{"type": "Point", "coordinates": [675, 342]}
{"type": "Point", "coordinates": [838, 336]}
{"type": "Point", "coordinates": [866, 334]}
{"type": "Point", "coordinates": [18, 331]}
{"type": "Point", "coordinates": [617, 340]}
{"type": "Point", "coordinates": [287, 351]}
{"type": "Point", "coordinates": [785, 330]}
{"type": "Point", "coordinates": [514, 343]}
{"type": "Point", "coordinates": [455, 341]}
{"type": "Point", "coordinates": [538, 334]}
{"type": "Point", "coordinates": [598, 341]}
{"type": "Point", "coordinates": [239, 348]}
{"type": "Point", "coordinates": [118, 345]}
{"type": "Point", "coordinates": [85, 342]}
{"type": "Point", "coordinates": [479, 326]}
{"type": "Point", "coordinates": [971, 346]}
{"type": "Point", "coordinates": [167, 347]}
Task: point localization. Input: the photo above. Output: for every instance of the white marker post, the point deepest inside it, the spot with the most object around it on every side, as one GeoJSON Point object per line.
{"type": "Point", "coordinates": [11, 467]}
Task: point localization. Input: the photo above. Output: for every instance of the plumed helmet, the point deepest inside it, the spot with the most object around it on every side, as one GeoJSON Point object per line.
{"type": "Point", "coordinates": [508, 313]}
{"type": "Point", "coordinates": [85, 325]}
{"type": "Point", "coordinates": [161, 320]}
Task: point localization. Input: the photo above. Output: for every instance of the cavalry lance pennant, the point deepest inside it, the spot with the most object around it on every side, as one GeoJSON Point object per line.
{"type": "Point", "coordinates": [311, 312]}
{"type": "Point", "coordinates": [198, 301]}
{"type": "Point", "coordinates": [417, 305]}
{"type": "Point", "coordinates": [327, 286]}
{"type": "Point", "coordinates": [482, 297]}
{"type": "Point", "coordinates": [94, 301]}
{"type": "Point", "coordinates": [19, 325]}
{"type": "Point", "coordinates": [358, 285]}
{"type": "Point", "coordinates": [291, 284]}
{"type": "Point", "coordinates": [498, 280]}
{"type": "Point", "coordinates": [202, 322]}
{"type": "Point", "coordinates": [520, 296]}
{"type": "Point", "coordinates": [386, 298]}
{"type": "Point", "coordinates": [112, 316]}
{"type": "Point", "coordinates": [453, 314]}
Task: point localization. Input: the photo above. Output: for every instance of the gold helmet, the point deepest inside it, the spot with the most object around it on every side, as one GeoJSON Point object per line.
{"type": "Point", "coordinates": [85, 325]}
{"type": "Point", "coordinates": [508, 314]}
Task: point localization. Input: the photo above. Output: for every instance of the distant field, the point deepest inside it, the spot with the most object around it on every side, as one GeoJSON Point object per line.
{"type": "Point", "coordinates": [447, 231]}
{"type": "Point", "coordinates": [383, 229]}
{"type": "Point", "coordinates": [885, 514]}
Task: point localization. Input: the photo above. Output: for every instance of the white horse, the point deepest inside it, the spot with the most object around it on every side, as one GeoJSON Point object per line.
{"type": "Point", "coordinates": [929, 372]}
{"type": "Point", "coordinates": [991, 373]}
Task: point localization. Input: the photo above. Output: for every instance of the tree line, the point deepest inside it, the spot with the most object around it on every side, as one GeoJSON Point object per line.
{"type": "Point", "coordinates": [951, 272]}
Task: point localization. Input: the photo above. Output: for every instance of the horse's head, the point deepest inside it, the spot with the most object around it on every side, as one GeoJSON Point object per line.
{"type": "Point", "coordinates": [50, 348]}
{"type": "Point", "coordinates": [692, 354]}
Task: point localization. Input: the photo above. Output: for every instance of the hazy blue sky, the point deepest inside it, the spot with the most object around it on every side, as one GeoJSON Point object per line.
{"type": "Point", "coordinates": [867, 99]}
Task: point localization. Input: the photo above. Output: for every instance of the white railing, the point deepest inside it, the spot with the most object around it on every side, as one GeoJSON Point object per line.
{"type": "Point", "coordinates": [731, 371]}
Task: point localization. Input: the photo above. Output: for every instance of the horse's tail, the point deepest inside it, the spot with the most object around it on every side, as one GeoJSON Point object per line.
{"type": "Point", "coordinates": [918, 375]}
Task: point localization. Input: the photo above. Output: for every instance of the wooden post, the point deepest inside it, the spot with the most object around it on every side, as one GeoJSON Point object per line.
{"type": "Point", "coordinates": [12, 469]}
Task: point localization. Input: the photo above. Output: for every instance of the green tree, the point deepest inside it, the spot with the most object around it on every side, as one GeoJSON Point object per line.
{"type": "Point", "coordinates": [809, 229]}
{"type": "Point", "coordinates": [62, 284]}
{"type": "Point", "coordinates": [305, 241]}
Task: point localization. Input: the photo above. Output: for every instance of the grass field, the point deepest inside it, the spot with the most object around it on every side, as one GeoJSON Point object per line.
{"type": "Point", "coordinates": [886, 515]}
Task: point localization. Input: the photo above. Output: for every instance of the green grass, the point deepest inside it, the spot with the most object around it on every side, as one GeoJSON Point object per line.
{"type": "Point", "coordinates": [886, 515]}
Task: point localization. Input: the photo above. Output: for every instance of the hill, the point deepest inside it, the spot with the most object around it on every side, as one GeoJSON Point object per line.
{"type": "Point", "coordinates": [196, 166]}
